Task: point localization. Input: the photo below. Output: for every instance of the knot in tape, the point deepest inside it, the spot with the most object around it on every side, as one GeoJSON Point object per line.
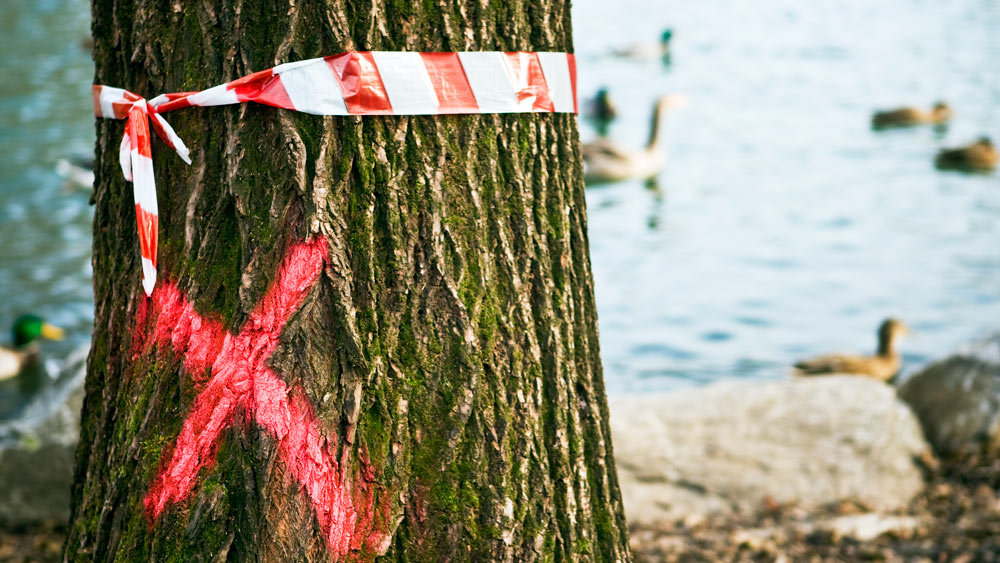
{"type": "Point", "coordinates": [135, 154]}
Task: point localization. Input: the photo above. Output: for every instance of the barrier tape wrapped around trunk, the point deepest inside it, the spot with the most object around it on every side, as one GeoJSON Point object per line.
{"type": "Point", "coordinates": [354, 83]}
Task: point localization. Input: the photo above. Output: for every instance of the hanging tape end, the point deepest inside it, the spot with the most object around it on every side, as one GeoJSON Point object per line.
{"type": "Point", "coordinates": [148, 276]}
{"type": "Point", "coordinates": [147, 285]}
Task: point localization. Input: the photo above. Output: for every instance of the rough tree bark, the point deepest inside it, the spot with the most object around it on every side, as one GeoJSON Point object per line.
{"type": "Point", "coordinates": [448, 349]}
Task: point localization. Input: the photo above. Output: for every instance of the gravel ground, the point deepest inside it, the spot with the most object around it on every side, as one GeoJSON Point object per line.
{"type": "Point", "coordinates": [955, 519]}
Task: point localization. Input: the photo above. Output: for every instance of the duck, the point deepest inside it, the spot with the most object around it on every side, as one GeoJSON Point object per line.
{"type": "Point", "coordinates": [27, 329]}
{"type": "Point", "coordinates": [940, 114]}
{"type": "Point", "coordinates": [883, 366]}
{"type": "Point", "coordinates": [600, 111]}
{"type": "Point", "coordinates": [600, 108]}
{"type": "Point", "coordinates": [77, 172]}
{"type": "Point", "coordinates": [980, 156]}
{"type": "Point", "coordinates": [646, 51]}
{"type": "Point", "coordinates": [606, 161]}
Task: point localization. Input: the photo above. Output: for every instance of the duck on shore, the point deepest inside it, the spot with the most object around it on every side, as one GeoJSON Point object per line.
{"type": "Point", "coordinates": [980, 156]}
{"type": "Point", "coordinates": [882, 366]}
{"type": "Point", "coordinates": [940, 114]}
{"type": "Point", "coordinates": [26, 330]}
{"type": "Point", "coordinates": [606, 161]}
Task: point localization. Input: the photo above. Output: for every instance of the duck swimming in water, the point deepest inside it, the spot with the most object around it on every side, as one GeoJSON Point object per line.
{"type": "Point", "coordinates": [600, 107]}
{"type": "Point", "coordinates": [77, 172]}
{"type": "Point", "coordinates": [647, 51]}
{"type": "Point", "coordinates": [26, 331]}
{"type": "Point", "coordinates": [980, 156]}
{"type": "Point", "coordinates": [600, 111]}
{"type": "Point", "coordinates": [940, 114]}
{"type": "Point", "coordinates": [606, 161]}
{"type": "Point", "coordinates": [882, 366]}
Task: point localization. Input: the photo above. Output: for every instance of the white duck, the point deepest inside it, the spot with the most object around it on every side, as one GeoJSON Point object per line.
{"type": "Point", "coordinates": [606, 161]}
{"type": "Point", "coordinates": [78, 172]}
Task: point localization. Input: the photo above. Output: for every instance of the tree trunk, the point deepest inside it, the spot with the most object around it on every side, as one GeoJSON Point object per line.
{"type": "Point", "coordinates": [440, 354]}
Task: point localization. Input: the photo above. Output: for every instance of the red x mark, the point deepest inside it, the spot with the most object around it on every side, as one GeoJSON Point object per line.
{"type": "Point", "coordinates": [242, 382]}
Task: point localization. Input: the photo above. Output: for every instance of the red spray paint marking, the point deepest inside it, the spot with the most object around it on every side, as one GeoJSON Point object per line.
{"type": "Point", "coordinates": [242, 382]}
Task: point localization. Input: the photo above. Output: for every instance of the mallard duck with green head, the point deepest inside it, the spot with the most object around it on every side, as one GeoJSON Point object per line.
{"type": "Point", "coordinates": [600, 111]}
{"type": "Point", "coordinates": [26, 331]}
{"type": "Point", "coordinates": [600, 108]}
{"type": "Point", "coordinates": [884, 365]}
{"type": "Point", "coordinates": [649, 50]}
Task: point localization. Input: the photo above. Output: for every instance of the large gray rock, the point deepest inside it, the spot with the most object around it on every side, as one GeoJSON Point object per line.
{"type": "Point", "coordinates": [37, 450]}
{"type": "Point", "coordinates": [734, 446]}
{"type": "Point", "coordinates": [958, 401]}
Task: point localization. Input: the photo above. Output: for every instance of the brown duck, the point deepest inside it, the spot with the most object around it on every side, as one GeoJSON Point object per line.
{"type": "Point", "coordinates": [908, 117]}
{"type": "Point", "coordinates": [980, 156]}
{"type": "Point", "coordinates": [606, 161]}
{"type": "Point", "coordinates": [882, 366]}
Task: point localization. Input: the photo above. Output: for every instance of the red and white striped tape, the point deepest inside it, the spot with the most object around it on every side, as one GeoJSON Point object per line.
{"type": "Point", "coordinates": [354, 83]}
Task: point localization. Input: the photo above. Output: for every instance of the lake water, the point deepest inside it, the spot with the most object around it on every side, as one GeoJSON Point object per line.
{"type": "Point", "coordinates": [45, 232]}
{"type": "Point", "coordinates": [782, 226]}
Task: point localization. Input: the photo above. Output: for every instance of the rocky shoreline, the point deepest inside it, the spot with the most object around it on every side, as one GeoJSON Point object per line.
{"type": "Point", "coordinates": [836, 468]}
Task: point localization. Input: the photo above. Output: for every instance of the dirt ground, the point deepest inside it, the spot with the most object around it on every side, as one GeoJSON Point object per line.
{"type": "Point", "coordinates": [956, 519]}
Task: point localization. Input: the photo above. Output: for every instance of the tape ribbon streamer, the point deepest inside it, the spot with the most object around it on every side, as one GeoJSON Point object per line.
{"type": "Point", "coordinates": [353, 83]}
